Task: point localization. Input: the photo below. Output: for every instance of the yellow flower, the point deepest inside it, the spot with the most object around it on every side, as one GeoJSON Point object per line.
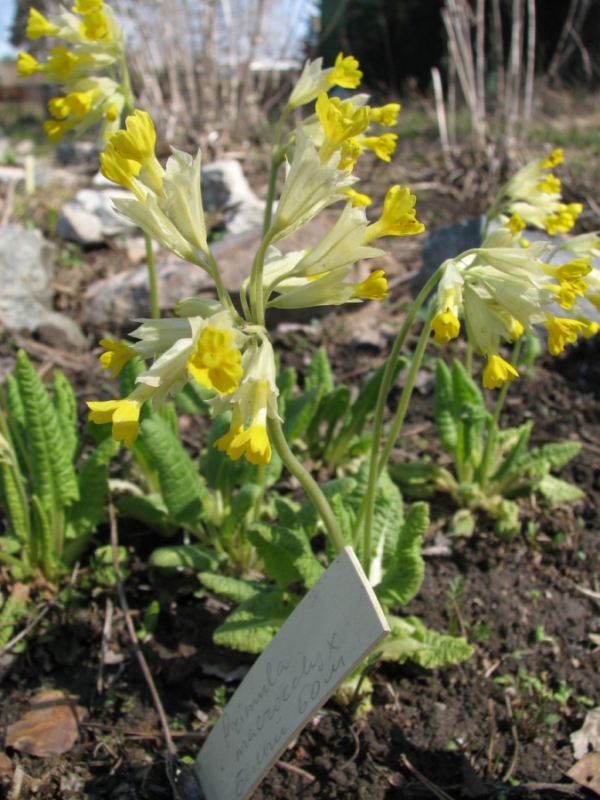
{"type": "Point", "coordinates": [445, 326]}
{"type": "Point", "coordinates": [386, 115]}
{"type": "Point", "coordinates": [254, 442]}
{"type": "Point", "coordinates": [214, 363]}
{"type": "Point", "coordinates": [553, 160]}
{"type": "Point", "coordinates": [564, 220]}
{"type": "Point", "coordinates": [350, 152]}
{"type": "Point", "coordinates": [124, 415]}
{"type": "Point", "coordinates": [345, 72]}
{"type": "Point", "coordinates": [112, 113]}
{"type": "Point", "coordinates": [578, 268]}
{"type": "Point", "coordinates": [498, 372]}
{"type": "Point", "coordinates": [77, 103]}
{"type": "Point", "coordinates": [550, 185]}
{"type": "Point", "coordinates": [515, 330]}
{"type": "Point", "coordinates": [340, 121]}
{"type": "Point", "coordinates": [560, 331]}
{"type": "Point", "coordinates": [28, 65]}
{"type": "Point", "coordinates": [95, 26]}
{"type": "Point", "coordinates": [62, 62]}
{"type": "Point", "coordinates": [383, 146]}
{"type": "Point", "coordinates": [116, 356]}
{"type": "Point", "coordinates": [38, 26]}
{"type": "Point", "coordinates": [137, 144]}
{"type": "Point", "coordinates": [398, 217]}
{"type": "Point", "coordinates": [236, 427]}
{"type": "Point", "coordinates": [515, 224]}
{"type": "Point", "coordinates": [87, 6]}
{"type": "Point", "coordinates": [375, 287]}
{"type": "Point", "coordinates": [589, 328]}
{"type": "Point", "coordinates": [121, 170]}
{"type": "Point", "coordinates": [359, 200]}
{"type": "Point", "coordinates": [58, 107]}
{"type": "Point", "coordinates": [56, 130]}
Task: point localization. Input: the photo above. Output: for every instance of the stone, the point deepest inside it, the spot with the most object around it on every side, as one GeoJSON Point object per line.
{"type": "Point", "coordinates": [26, 262]}
{"type": "Point", "coordinates": [136, 249]}
{"type": "Point", "coordinates": [10, 174]}
{"type": "Point", "coordinates": [115, 301]}
{"type": "Point", "coordinates": [78, 154]}
{"type": "Point", "coordinates": [447, 242]}
{"type": "Point", "coordinates": [225, 190]}
{"type": "Point", "coordinates": [90, 216]}
{"type": "Point", "coordinates": [24, 147]}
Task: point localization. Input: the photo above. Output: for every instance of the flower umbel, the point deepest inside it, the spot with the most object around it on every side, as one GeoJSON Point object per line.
{"type": "Point", "coordinates": [215, 364]}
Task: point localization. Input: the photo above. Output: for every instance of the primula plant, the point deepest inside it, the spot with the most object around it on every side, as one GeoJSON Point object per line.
{"type": "Point", "coordinates": [224, 349]}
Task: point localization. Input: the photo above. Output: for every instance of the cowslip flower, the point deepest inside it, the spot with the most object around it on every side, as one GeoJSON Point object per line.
{"type": "Point", "coordinates": [341, 120]}
{"type": "Point", "coordinates": [386, 115]}
{"type": "Point", "coordinates": [116, 356]}
{"type": "Point", "coordinates": [498, 372]}
{"type": "Point", "coordinates": [315, 79]}
{"type": "Point", "coordinates": [398, 217]}
{"type": "Point", "coordinates": [123, 414]}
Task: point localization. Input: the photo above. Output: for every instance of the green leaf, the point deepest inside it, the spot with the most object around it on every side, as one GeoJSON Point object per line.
{"type": "Point", "coordinates": [558, 491]}
{"type": "Point", "coordinates": [287, 554]}
{"type": "Point", "coordinates": [53, 477]}
{"type": "Point", "coordinates": [13, 610]}
{"type": "Point", "coordinates": [279, 548]}
{"type": "Point", "coordinates": [17, 422]}
{"type": "Point", "coordinates": [511, 462]}
{"type": "Point", "coordinates": [364, 405]}
{"type": "Point", "coordinates": [242, 503]}
{"type": "Point", "coordinates": [230, 588]}
{"type": "Point", "coordinates": [331, 410]}
{"type": "Point", "coordinates": [14, 506]}
{"type": "Point", "coordinates": [41, 538]}
{"type": "Point", "coordinates": [88, 512]}
{"type": "Point", "coordinates": [180, 483]}
{"type": "Point", "coordinates": [405, 575]}
{"type": "Point", "coordinates": [507, 524]}
{"type": "Point", "coordinates": [299, 411]}
{"type": "Point", "coordinates": [469, 416]}
{"type": "Point", "coordinates": [443, 407]}
{"type": "Point", "coordinates": [558, 454]}
{"type": "Point", "coordinates": [150, 510]}
{"type": "Point", "coordinates": [253, 624]}
{"type": "Point", "coordinates": [66, 408]}
{"type": "Point", "coordinates": [411, 639]}
{"type": "Point", "coordinates": [184, 556]}
{"type": "Point", "coordinates": [192, 399]}
{"type": "Point", "coordinates": [168, 413]}
{"type": "Point", "coordinates": [319, 375]}
{"type": "Point", "coordinates": [286, 383]}
{"type": "Point", "coordinates": [308, 516]}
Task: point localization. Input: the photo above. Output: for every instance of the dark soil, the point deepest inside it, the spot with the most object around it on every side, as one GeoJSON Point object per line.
{"type": "Point", "coordinates": [497, 726]}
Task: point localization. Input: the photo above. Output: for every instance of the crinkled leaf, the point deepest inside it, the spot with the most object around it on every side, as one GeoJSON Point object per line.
{"type": "Point", "coordinates": [469, 416]}
{"type": "Point", "coordinates": [180, 483]}
{"type": "Point", "coordinates": [53, 477]}
{"type": "Point", "coordinates": [558, 491]}
{"type": "Point", "coordinates": [299, 411]}
{"type": "Point", "coordinates": [308, 515]}
{"type": "Point", "coordinates": [557, 454]}
{"type": "Point", "coordinates": [66, 408]}
{"type": "Point", "coordinates": [443, 407]}
{"type": "Point", "coordinates": [279, 549]}
{"type": "Point", "coordinates": [331, 410]}
{"type": "Point", "coordinates": [286, 383]}
{"type": "Point", "coordinates": [192, 399]}
{"type": "Point", "coordinates": [230, 588]}
{"type": "Point", "coordinates": [319, 374]}
{"type": "Point", "coordinates": [411, 639]}
{"type": "Point", "coordinates": [14, 505]}
{"type": "Point", "coordinates": [189, 556]}
{"type": "Point", "coordinates": [42, 554]}
{"type": "Point", "coordinates": [242, 503]}
{"type": "Point", "coordinates": [255, 622]}
{"type": "Point", "coordinates": [507, 524]}
{"type": "Point", "coordinates": [511, 461]}
{"type": "Point", "coordinates": [405, 574]}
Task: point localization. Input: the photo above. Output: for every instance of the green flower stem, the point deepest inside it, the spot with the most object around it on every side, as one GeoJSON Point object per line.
{"type": "Point", "coordinates": [406, 393]}
{"type": "Point", "coordinates": [310, 486]}
{"type": "Point", "coordinates": [493, 424]}
{"type": "Point", "coordinates": [257, 300]}
{"type": "Point", "coordinates": [368, 504]}
{"type": "Point", "coordinates": [152, 285]}
{"type": "Point", "coordinates": [224, 296]}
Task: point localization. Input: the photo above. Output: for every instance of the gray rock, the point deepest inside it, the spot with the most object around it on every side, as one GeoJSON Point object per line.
{"type": "Point", "coordinates": [447, 242]}
{"type": "Point", "coordinates": [45, 175]}
{"type": "Point", "coordinates": [90, 216]}
{"type": "Point", "coordinates": [78, 154]}
{"type": "Point", "coordinates": [124, 297]}
{"type": "Point", "coordinates": [226, 190]}
{"type": "Point", "coordinates": [10, 174]}
{"type": "Point", "coordinates": [25, 295]}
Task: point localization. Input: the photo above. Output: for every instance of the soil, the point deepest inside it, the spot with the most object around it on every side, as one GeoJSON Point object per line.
{"type": "Point", "coordinates": [496, 726]}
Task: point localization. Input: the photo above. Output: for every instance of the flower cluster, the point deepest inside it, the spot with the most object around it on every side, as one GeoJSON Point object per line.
{"type": "Point", "coordinates": [96, 43]}
{"type": "Point", "coordinates": [535, 195]}
{"type": "Point", "coordinates": [210, 342]}
{"type": "Point", "coordinates": [502, 289]}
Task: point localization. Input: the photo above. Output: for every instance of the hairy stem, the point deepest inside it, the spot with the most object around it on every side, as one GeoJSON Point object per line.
{"type": "Point", "coordinates": [152, 284]}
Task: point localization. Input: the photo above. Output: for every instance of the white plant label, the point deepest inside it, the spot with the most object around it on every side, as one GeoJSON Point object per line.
{"type": "Point", "coordinates": [327, 636]}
